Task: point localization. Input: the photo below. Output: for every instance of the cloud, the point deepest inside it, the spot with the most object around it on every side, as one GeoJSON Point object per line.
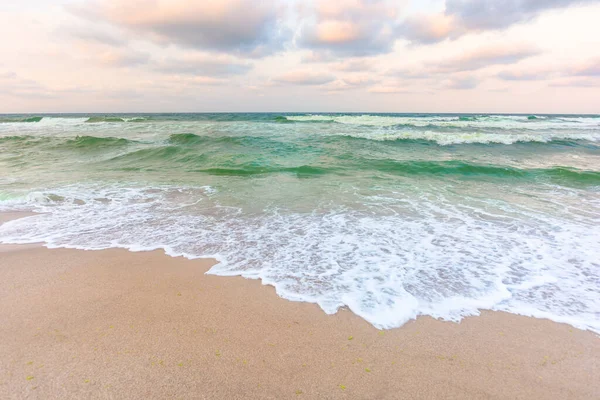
{"type": "Point", "coordinates": [350, 27]}
{"type": "Point", "coordinates": [411, 73]}
{"type": "Point", "coordinates": [523, 75]}
{"type": "Point", "coordinates": [494, 14]}
{"type": "Point", "coordinates": [577, 82]}
{"type": "Point", "coordinates": [123, 58]}
{"type": "Point", "coordinates": [504, 89]}
{"type": "Point", "coordinates": [428, 29]}
{"type": "Point", "coordinates": [591, 68]}
{"type": "Point", "coordinates": [319, 57]}
{"type": "Point", "coordinates": [203, 65]}
{"type": "Point", "coordinates": [485, 57]}
{"type": "Point", "coordinates": [182, 83]}
{"type": "Point", "coordinates": [247, 27]}
{"type": "Point", "coordinates": [358, 80]}
{"type": "Point", "coordinates": [463, 83]}
{"type": "Point", "coordinates": [382, 89]}
{"type": "Point", "coordinates": [13, 85]}
{"type": "Point", "coordinates": [7, 76]}
{"type": "Point", "coordinates": [471, 60]}
{"type": "Point", "coordinates": [348, 83]}
{"type": "Point", "coordinates": [354, 65]}
{"type": "Point", "coordinates": [463, 16]}
{"type": "Point", "coordinates": [304, 78]}
{"type": "Point", "coordinates": [95, 35]}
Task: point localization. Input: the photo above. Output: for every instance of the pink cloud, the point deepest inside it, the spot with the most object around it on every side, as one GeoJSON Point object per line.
{"type": "Point", "coordinates": [242, 26]}
{"type": "Point", "coordinates": [335, 32]}
{"type": "Point", "coordinates": [429, 28]}
{"type": "Point", "coordinates": [122, 58]}
{"type": "Point", "coordinates": [351, 27]}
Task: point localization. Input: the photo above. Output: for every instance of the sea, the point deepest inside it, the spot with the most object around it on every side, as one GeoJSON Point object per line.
{"type": "Point", "coordinates": [392, 216]}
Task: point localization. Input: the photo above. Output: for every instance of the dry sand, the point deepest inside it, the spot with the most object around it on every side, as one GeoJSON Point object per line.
{"type": "Point", "coordinates": [119, 325]}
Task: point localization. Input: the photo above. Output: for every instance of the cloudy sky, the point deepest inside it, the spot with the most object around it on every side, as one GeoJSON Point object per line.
{"type": "Point", "coordinates": [529, 56]}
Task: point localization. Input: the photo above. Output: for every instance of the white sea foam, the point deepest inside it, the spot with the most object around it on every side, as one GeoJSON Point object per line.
{"type": "Point", "coordinates": [61, 121]}
{"type": "Point", "coordinates": [398, 257]}
{"type": "Point", "coordinates": [488, 121]}
{"type": "Point", "coordinates": [47, 126]}
{"type": "Point", "coordinates": [450, 138]}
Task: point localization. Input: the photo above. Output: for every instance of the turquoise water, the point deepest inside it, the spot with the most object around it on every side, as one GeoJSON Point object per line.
{"type": "Point", "coordinates": [391, 215]}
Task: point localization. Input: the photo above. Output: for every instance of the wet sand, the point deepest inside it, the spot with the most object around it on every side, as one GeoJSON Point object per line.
{"type": "Point", "coordinates": [119, 325]}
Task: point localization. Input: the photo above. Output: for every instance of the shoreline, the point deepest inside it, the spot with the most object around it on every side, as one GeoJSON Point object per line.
{"type": "Point", "coordinates": [211, 261]}
{"type": "Point", "coordinates": [120, 324]}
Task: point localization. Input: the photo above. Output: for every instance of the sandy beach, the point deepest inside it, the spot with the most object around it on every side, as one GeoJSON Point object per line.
{"type": "Point", "coordinates": [309, 199]}
{"type": "Point", "coordinates": [114, 324]}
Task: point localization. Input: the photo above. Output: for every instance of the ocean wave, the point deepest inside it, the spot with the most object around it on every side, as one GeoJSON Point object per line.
{"type": "Point", "coordinates": [9, 120]}
{"type": "Point", "coordinates": [445, 138]}
{"type": "Point", "coordinates": [104, 119]}
{"type": "Point", "coordinates": [282, 119]}
{"type": "Point", "coordinates": [61, 121]}
{"type": "Point", "coordinates": [182, 157]}
{"type": "Point", "coordinates": [74, 120]}
{"type": "Point", "coordinates": [93, 142]}
{"type": "Point", "coordinates": [505, 122]}
{"type": "Point", "coordinates": [480, 121]}
{"type": "Point", "coordinates": [262, 155]}
{"type": "Point", "coordinates": [558, 175]}
{"type": "Point", "coordinates": [16, 138]}
{"type": "Point", "coordinates": [187, 138]}
{"type": "Point", "coordinates": [98, 119]}
{"type": "Point", "coordinates": [216, 141]}
{"type": "Point", "coordinates": [77, 142]}
{"type": "Point", "coordinates": [440, 137]}
{"type": "Point", "coordinates": [245, 170]}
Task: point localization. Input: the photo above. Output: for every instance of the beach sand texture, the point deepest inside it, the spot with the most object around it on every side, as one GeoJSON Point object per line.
{"type": "Point", "coordinates": [119, 325]}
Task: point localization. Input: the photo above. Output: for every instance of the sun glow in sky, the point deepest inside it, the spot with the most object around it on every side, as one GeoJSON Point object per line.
{"type": "Point", "coordinates": [523, 56]}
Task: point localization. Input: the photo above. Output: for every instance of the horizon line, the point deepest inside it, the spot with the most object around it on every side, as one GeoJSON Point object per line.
{"type": "Point", "coordinates": [291, 112]}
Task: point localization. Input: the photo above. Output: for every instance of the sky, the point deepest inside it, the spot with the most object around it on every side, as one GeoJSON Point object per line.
{"type": "Point", "coordinates": [512, 56]}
